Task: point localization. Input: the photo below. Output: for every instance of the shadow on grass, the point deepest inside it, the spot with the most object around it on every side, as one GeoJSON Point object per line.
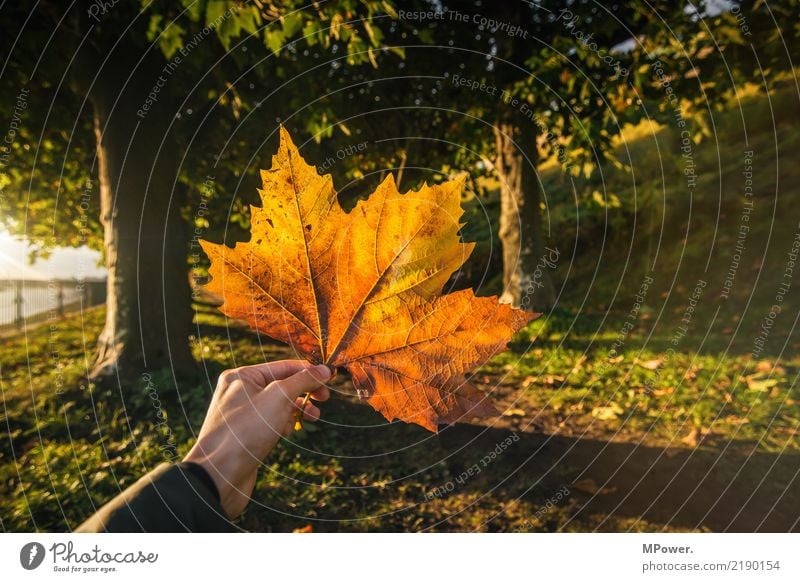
{"type": "Point", "coordinates": [717, 490]}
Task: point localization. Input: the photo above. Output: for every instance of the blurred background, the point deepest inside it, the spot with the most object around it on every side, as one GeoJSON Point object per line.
{"type": "Point", "coordinates": [630, 176]}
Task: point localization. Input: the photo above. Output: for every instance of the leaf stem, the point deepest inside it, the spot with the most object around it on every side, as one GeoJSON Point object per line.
{"type": "Point", "coordinates": [298, 424]}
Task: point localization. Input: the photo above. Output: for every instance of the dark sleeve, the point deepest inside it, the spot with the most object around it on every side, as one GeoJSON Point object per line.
{"type": "Point", "coordinates": [170, 498]}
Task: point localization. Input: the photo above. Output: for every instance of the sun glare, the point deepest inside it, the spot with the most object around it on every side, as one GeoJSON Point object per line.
{"type": "Point", "coordinates": [12, 263]}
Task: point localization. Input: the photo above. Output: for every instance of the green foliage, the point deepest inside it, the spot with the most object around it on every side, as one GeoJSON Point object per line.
{"type": "Point", "coordinates": [50, 191]}
{"type": "Point", "coordinates": [649, 183]}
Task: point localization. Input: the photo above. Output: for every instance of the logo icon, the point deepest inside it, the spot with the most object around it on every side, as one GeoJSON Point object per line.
{"type": "Point", "coordinates": [31, 555]}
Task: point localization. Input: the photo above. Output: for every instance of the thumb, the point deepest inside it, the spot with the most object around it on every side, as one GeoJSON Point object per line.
{"type": "Point", "coordinates": [306, 380]}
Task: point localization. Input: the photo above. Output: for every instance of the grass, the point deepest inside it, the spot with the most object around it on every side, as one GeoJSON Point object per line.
{"type": "Point", "coordinates": [66, 451]}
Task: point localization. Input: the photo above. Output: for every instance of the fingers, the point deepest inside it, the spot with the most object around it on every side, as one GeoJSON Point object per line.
{"type": "Point", "coordinates": [310, 379]}
{"type": "Point", "coordinates": [269, 372]}
{"type": "Point", "coordinates": [310, 412]}
{"type": "Point", "coordinates": [321, 394]}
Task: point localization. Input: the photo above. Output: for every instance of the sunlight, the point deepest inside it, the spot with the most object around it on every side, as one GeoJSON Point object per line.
{"type": "Point", "coordinates": [63, 263]}
{"type": "Point", "coordinates": [11, 266]}
{"type": "Point", "coordinates": [6, 240]}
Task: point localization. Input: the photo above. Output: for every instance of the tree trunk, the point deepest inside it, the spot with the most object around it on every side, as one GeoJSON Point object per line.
{"type": "Point", "coordinates": [526, 261]}
{"type": "Point", "coordinates": [148, 317]}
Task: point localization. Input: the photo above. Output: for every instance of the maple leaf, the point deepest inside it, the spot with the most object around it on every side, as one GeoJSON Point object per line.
{"type": "Point", "coordinates": [362, 289]}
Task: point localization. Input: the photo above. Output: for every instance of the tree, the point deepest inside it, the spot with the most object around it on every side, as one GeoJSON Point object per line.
{"type": "Point", "coordinates": [154, 102]}
{"type": "Point", "coordinates": [515, 83]}
{"type": "Point", "coordinates": [115, 72]}
{"type": "Point", "coordinates": [468, 79]}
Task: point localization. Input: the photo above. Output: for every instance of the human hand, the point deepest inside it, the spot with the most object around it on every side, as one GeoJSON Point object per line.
{"type": "Point", "coordinates": [252, 408]}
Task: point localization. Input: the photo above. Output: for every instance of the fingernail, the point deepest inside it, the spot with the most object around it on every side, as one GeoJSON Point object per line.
{"type": "Point", "coordinates": [322, 372]}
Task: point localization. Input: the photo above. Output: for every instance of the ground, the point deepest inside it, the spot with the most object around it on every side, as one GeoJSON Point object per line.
{"type": "Point", "coordinates": [572, 452]}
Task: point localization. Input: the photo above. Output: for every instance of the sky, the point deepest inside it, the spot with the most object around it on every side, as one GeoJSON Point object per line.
{"type": "Point", "coordinates": [64, 263]}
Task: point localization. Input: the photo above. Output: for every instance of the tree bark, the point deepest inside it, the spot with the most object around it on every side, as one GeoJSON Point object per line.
{"type": "Point", "coordinates": [148, 310]}
{"type": "Point", "coordinates": [526, 261]}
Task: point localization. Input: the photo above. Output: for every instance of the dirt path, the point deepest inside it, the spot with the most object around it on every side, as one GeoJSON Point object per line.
{"type": "Point", "coordinates": [617, 474]}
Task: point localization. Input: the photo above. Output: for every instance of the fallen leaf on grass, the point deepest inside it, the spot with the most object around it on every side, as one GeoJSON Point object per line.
{"type": "Point", "coordinates": [760, 382]}
{"type": "Point", "coordinates": [610, 412]}
{"type": "Point", "coordinates": [691, 373]}
{"type": "Point", "coordinates": [578, 364]}
{"type": "Point", "coordinates": [650, 364]}
{"type": "Point", "coordinates": [696, 436]}
{"type": "Point", "coordinates": [547, 380]}
{"type": "Point", "coordinates": [591, 488]}
{"type": "Point", "coordinates": [514, 412]}
{"type": "Point", "coordinates": [764, 366]}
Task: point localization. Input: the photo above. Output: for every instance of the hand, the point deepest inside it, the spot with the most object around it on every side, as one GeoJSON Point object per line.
{"type": "Point", "coordinates": [252, 408]}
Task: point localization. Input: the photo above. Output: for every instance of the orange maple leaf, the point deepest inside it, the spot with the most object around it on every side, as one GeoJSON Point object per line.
{"type": "Point", "coordinates": [362, 289]}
